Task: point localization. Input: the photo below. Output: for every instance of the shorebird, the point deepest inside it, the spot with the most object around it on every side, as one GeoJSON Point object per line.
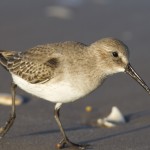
{"type": "Point", "coordinates": [64, 72]}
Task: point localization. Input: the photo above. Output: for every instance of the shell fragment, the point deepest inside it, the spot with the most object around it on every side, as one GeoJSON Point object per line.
{"type": "Point", "coordinates": [113, 119]}
{"type": "Point", "coordinates": [6, 99]}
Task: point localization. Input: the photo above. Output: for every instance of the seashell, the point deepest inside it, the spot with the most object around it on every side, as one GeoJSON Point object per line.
{"type": "Point", "coordinates": [6, 99]}
{"type": "Point", "coordinates": [113, 119]}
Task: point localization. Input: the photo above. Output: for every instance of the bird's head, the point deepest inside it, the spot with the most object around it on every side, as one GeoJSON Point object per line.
{"type": "Point", "coordinates": [113, 57]}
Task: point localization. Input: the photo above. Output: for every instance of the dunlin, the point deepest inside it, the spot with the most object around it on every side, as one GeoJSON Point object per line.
{"type": "Point", "coordinates": [65, 72]}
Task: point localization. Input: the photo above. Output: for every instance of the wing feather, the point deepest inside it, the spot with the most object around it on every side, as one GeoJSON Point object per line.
{"type": "Point", "coordinates": [36, 65]}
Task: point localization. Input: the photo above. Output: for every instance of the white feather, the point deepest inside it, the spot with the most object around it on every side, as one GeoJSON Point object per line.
{"type": "Point", "coordinates": [58, 92]}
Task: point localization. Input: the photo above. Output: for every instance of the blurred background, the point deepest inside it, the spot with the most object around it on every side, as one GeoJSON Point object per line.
{"type": "Point", "coordinates": [25, 24]}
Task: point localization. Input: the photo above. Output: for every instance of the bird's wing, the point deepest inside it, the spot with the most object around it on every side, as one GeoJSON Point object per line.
{"type": "Point", "coordinates": [36, 65]}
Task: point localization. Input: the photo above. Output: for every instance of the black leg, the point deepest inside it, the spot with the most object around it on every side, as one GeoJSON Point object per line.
{"type": "Point", "coordinates": [65, 139]}
{"type": "Point", "coordinates": [9, 123]}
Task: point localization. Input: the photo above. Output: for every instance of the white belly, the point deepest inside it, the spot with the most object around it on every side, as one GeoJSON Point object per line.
{"type": "Point", "coordinates": [61, 92]}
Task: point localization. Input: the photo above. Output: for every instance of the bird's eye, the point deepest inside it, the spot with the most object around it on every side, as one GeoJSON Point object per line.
{"type": "Point", "coordinates": [115, 54]}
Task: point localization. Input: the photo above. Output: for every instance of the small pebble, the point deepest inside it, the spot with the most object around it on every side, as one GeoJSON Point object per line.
{"type": "Point", "coordinates": [88, 108]}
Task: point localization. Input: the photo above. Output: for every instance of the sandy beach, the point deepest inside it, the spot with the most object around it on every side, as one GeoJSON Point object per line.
{"type": "Point", "coordinates": [25, 24]}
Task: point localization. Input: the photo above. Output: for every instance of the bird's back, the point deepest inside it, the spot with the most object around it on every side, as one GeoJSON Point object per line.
{"type": "Point", "coordinates": [38, 63]}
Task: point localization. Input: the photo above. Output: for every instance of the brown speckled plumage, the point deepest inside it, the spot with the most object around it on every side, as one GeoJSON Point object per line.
{"type": "Point", "coordinates": [37, 64]}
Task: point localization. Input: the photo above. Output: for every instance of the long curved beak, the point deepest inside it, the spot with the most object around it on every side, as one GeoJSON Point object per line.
{"type": "Point", "coordinates": [129, 70]}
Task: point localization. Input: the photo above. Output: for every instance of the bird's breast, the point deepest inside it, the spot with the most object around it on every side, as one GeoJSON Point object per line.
{"type": "Point", "coordinates": [61, 91]}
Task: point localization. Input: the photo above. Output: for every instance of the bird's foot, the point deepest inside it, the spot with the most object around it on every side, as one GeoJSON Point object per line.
{"type": "Point", "coordinates": [65, 142]}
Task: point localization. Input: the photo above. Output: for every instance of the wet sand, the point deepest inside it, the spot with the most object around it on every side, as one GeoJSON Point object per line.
{"type": "Point", "coordinates": [24, 24]}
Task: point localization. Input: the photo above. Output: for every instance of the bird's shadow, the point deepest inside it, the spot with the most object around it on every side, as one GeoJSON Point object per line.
{"type": "Point", "coordinates": [129, 118]}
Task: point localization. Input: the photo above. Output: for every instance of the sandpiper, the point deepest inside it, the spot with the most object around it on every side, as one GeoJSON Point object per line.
{"type": "Point", "coordinates": [65, 72]}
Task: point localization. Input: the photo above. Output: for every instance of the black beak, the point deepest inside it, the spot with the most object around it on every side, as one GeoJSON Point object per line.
{"type": "Point", "coordinates": [135, 76]}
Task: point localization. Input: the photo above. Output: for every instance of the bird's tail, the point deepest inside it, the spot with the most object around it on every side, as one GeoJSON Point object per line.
{"type": "Point", "coordinates": [5, 56]}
